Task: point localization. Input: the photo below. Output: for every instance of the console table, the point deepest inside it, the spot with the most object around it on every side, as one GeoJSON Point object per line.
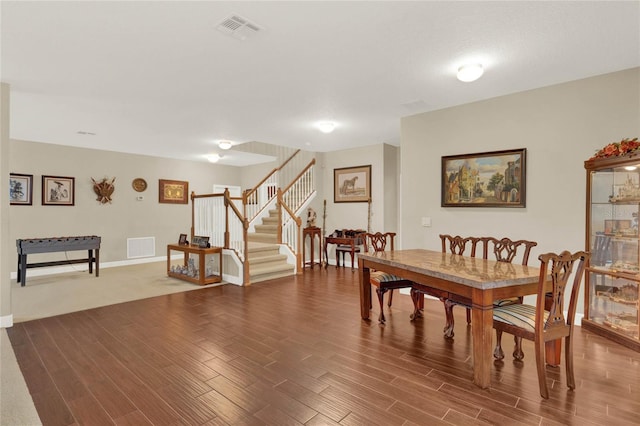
{"type": "Point", "coordinates": [50, 245]}
{"type": "Point", "coordinates": [311, 232]}
{"type": "Point", "coordinates": [194, 266]}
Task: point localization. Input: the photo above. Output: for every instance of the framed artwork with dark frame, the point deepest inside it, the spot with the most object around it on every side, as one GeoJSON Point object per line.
{"type": "Point", "coordinates": [202, 242]}
{"type": "Point", "coordinates": [58, 191]}
{"type": "Point", "coordinates": [352, 184]}
{"type": "Point", "coordinates": [183, 239]}
{"type": "Point", "coordinates": [487, 179]}
{"type": "Point", "coordinates": [20, 189]}
{"type": "Point", "coordinates": [173, 191]}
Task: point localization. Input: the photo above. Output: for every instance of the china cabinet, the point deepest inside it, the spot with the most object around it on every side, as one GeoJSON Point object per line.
{"type": "Point", "coordinates": [613, 273]}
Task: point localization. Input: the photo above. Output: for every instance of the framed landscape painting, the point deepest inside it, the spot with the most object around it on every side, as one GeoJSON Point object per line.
{"type": "Point", "coordinates": [488, 179]}
{"type": "Point", "coordinates": [352, 184]}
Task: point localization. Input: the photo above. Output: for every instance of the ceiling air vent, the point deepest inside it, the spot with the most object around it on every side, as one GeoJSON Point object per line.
{"type": "Point", "coordinates": [238, 27]}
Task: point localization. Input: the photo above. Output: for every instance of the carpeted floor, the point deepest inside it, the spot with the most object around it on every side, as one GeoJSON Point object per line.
{"type": "Point", "coordinates": [50, 295]}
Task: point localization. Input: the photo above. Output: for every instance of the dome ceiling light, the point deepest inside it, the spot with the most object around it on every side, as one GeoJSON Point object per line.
{"type": "Point", "coordinates": [470, 72]}
{"type": "Point", "coordinates": [225, 144]}
{"type": "Point", "coordinates": [326, 126]}
{"type": "Point", "coordinates": [213, 158]}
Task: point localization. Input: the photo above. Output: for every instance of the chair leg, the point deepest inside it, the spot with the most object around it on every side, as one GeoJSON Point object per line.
{"type": "Point", "coordinates": [468, 316]}
{"type": "Point", "coordinates": [568, 355]}
{"type": "Point", "coordinates": [380, 293]}
{"type": "Point", "coordinates": [390, 298]}
{"type": "Point", "coordinates": [517, 349]}
{"type": "Point", "coordinates": [542, 375]}
{"type": "Point", "coordinates": [450, 321]}
{"type": "Point", "coordinates": [498, 353]}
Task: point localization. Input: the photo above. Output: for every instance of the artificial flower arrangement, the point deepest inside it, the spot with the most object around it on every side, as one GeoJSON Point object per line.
{"type": "Point", "coordinates": [616, 149]}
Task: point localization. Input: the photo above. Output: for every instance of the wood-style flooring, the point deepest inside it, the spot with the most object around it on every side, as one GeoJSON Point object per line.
{"type": "Point", "coordinates": [295, 351]}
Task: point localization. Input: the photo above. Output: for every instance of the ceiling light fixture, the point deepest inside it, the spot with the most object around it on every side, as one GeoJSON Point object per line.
{"type": "Point", "coordinates": [225, 144]}
{"type": "Point", "coordinates": [326, 126]}
{"type": "Point", "coordinates": [470, 72]}
{"type": "Point", "coordinates": [213, 158]}
{"type": "Point", "coordinates": [630, 168]}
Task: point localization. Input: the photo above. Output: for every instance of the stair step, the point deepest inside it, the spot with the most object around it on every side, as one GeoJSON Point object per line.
{"type": "Point", "coordinates": [270, 268]}
{"type": "Point", "coordinates": [256, 260]}
{"type": "Point", "coordinates": [272, 276]}
{"type": "Point", "coordinates": [266, 229]}
{"type": "Point", "coordinates": [262, 238]}
{"type": "Point", "coordinates": [270, 221]}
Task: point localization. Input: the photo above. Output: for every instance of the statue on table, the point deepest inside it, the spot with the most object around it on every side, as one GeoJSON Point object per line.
{"type": "Point", "coordinates": [311, 218]}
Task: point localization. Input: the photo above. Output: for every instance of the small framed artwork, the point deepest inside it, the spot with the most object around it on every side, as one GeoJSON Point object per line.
{"type": "Point", "coordinates": [352, 184]}
{"type": "Point", "coordinates": [183, 239]}
{"type": "Point", "coordinates": [58, 191]}
{"type": "Point", "coordinates": [173, 191]}
{"type": "Point", "coordinates": [488, 179]}
{"type": "Point", "coordinates": [202, 242]}
{"type": "Point", "coordinates": [20, 189]}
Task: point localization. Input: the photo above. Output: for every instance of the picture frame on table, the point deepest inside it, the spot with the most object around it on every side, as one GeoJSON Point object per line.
{"type": "Point", "coordinates": [183, 239]}
{"type": "Point", "coordinates": [173, 191]}
{"type": "Point", "coordinates": [20, 189]}
{"type": "Point", "coordinates": [352, 184]}
{"type": "Point", "coordinates": [58, 190]}
{"type": "Point", "coordinates": [486, 179]}
{"type": "Point", "coordinates": [202, 242]}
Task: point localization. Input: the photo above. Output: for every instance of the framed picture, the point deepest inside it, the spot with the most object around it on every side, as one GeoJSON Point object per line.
{"type": "Point", "coordinates": [183, 239]}
{"type": "Point", "coordinates": [58, 191]}
{"type": "Point", "coordinates": [20, 189]}
{"type": "Point", "coordinates": [488, 179]}
{"type": "Point", "coordinates": [202, 242]}
{"type": "Point", "coordinates": [352, 184]}
{"type": "Point", "coordinates": [173, 191]}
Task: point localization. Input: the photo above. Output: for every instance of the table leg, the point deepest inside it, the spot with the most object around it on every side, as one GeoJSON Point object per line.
{"type": "Point", "coordinates": [97, 262]}
{"type": "Point", "coordinates": [23, 270]}
{"type": "Point", "coordinates": [365, 291]}
{"type": "Point", "coordinates": [326, 256]}
{"type": "Point", "coordinates": [482, 320]}
{"type": "Point", "coordinates": [90, 259]}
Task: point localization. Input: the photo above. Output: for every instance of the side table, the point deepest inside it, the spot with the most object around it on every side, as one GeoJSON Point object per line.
{"type": "Point", "coordinates": [312, 232]}
{"type": "Point", "coordinates": [194, 268]}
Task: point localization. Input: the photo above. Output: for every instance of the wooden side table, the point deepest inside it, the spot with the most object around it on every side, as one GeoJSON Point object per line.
{"type": "Point", "coordinates": [312, 232]}
{"type": "Point", "coordinates": [196, 271]}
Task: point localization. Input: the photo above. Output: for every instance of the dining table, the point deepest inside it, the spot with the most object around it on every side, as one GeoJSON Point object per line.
{"type": "Point", "coordinates": [480, 280]}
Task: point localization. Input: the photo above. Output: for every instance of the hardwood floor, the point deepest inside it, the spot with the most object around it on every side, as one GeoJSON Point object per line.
{"type": "Point", "coordinates": [294, 351]}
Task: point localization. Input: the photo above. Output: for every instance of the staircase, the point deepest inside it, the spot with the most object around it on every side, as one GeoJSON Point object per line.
{"type": "Point", "coordinates": [264, 256]}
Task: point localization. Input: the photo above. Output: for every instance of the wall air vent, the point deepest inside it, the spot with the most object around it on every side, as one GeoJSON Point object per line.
{"type": "Point", "coordinates": [238, 27]}
{"type": "Point", "coordinates": [141, 247]}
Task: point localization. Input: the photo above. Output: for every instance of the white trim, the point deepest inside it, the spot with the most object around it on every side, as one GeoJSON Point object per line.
{"type": "Point", "coordinates": [6, 321]}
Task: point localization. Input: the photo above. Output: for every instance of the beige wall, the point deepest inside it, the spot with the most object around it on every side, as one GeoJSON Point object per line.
{"type": "Point", "coordinates": [561, 126]}
{"type": "Point", "coordinates": [6, 319]}
{"type": "Point", "coordinates": [125, 217]}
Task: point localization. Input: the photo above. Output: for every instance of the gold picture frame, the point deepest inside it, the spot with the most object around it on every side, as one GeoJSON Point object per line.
{"type": "Point", "coordinates": [487, 179]}
{"type": "Point", "coordinates": [352, 184]}
{"type": "Point", "coordinates": [173, 191]}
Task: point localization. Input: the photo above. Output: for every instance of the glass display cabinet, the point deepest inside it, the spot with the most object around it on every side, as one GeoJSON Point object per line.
{"type": "Point", "coordinates": [613, 273]}
{"type": "Point", "coordinates": [197, 265]}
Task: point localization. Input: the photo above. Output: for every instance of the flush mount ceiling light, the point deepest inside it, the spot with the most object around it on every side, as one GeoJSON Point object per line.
{"type": "Point", "coordinates": [630, 168]}
{"type": "Point", "coordinates": [225, 144]}
{"type": "Point", "coordinates": [470, 72]}
{"type": "Point", "coordinates": [213, 158]}
{"type": "Point", "coordinates": [326, 126]}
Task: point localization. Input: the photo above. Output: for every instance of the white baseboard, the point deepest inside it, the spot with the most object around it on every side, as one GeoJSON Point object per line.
{"type": "Point", "coordinates": [6, 321]}
{"type": "Point", "coordinates": [38, 272]}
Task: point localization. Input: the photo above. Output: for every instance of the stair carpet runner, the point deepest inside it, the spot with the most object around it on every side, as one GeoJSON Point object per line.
{"type": "Point", "coordinates": [265, 260]}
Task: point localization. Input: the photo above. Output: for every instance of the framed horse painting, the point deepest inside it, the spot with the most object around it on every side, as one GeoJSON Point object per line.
{"type": "Point", "coordinates": [352, 184]}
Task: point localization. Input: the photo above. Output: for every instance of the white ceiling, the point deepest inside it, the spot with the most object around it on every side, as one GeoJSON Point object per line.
{"type": "Point", "coordinates": [157, 78]}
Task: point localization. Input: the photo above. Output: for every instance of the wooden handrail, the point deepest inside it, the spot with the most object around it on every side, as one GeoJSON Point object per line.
{"type": "Point", "coordinates": [288, 159]}
{"type": "Point", "coordinates": [294, 180]}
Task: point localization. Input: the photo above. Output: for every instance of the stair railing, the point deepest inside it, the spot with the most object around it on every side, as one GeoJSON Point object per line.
{"type": "Point", "coordinates": [290, 230]}
{"type": "Point", "coordinates": [217, 217]}
{"type": "Point", "coordinates": [300, 189]}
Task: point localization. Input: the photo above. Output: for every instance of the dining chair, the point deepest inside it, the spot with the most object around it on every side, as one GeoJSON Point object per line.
{"type": "Point", "coordinates": [343, 249]}
{"type": "Point", "coordinates": [534, 322]}
{"type": "Point", "coordinates": [450, 244]}
{"type": "Point", "coordinates": [383, 281]}
{"type": "Point", "coordinates": [502, 250]}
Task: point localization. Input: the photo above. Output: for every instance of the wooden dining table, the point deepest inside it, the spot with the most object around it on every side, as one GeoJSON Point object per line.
{"type": "Point", "coordinates": [480, 280]}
